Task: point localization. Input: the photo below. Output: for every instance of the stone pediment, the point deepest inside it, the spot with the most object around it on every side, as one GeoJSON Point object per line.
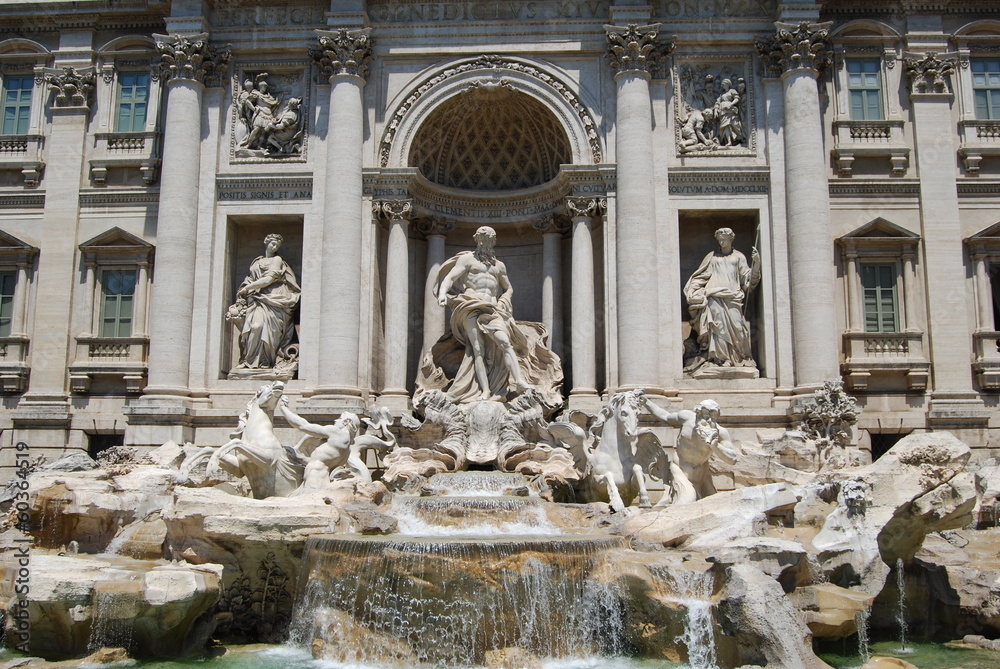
{"type": "Point", "coordinates": [879, 228]}
{"type": "Point", "coordinates": [986, 240]}
{"type": "Point", "coordinates": [14, 249]}
{"type": "Point", "coordinates": [119, 244]}
{"type": "Point", "coordinates": [879, 236]}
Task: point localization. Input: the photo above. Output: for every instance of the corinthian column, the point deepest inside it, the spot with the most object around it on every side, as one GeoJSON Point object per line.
{"type": "Point", "coordinates": [633, 51]}
{"type": "Point", "coordinates": [342, 56]}
{"type": "Point", "coordinates": [954, 401]}
{"type": "Point", "coordinates": [798, 53]}
{"type": "Point", "coordinates": [583, 320]}
{"type": "Point", "coordinates": [397, 299]}
{"type": "Point", "coordinates": [188, 64]}
{"type": "Point", "coordinates": [434, 229]}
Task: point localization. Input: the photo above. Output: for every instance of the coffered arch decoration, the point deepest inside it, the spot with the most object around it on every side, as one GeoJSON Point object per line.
{"type": "Point", "coordinates": [561, 124]}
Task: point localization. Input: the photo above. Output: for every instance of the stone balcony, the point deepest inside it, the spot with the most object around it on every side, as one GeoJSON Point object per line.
{"type": "Point", "coordinates": [121, 357]}
{"type": "Point", "coordinates": [898, 355]}
{"type": "Point", "coordinates": [13, 364]}
{"type": "Point", "coordinates": [23, 153]}
{"type": "Point", "coordinates": [125, 149]}
{"type": "Point", "coordinates": [870, 139]}
{"type": "Point", "coordinates": [987, 364]}
{"type": "Point", "coordinates": [978, 140]}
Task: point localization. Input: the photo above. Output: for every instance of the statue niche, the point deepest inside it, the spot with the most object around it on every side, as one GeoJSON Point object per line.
{"type": "Point", "coordinates": [268, 122]}
{"type": "Point", "coordinates": [263, 314]}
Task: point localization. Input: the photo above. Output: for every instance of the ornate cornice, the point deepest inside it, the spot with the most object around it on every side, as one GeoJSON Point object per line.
{"type": "Point", "coordinates": [394, 210]}
{"type": "Point", "coordinates": [343, 52]}
{"type": "Point", "coordinates": [793, 47]}
{"type": "Point", "coordinates": [928, 73]}
{"type": "Point", "coordinates": [635, 48]}
{"type": "Point", "coordinates": [72, 88]}
{"type": "Point", "coordinates": [183, 57]}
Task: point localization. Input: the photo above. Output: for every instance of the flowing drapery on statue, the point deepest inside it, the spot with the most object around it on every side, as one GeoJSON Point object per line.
{"type": "Point", "coordinates": [263, 311]}
{"type": "Point", "coordinates": [487, 355]}
{"type": "Point", "coordinates": [716, 295]}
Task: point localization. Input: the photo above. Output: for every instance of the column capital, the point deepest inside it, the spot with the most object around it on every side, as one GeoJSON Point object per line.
{"type": "Point", "coordinates": [550, 224]}
{"type": "Point", "coordinates": [394, 210]}
{"type": "Point", "coordinates": [72, 88]}
{"type": "Point", "coordinates": [802, 46]}
{"type": "Point", "coordinates": [929, 72]}
{"type": "Point", "coordinates": [343, 52]}
{"type": "Point", "coordinates": [192, 58]}
{"type": "Point", "coordinates": [586, 207]}
{"type": "Point", "coordinates": [434, 225]}
{"type": "Point", "coordinates": [635, 48]}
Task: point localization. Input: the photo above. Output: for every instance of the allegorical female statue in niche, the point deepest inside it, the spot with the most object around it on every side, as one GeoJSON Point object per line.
{"type": "Point", "coordinates": [716, 295]}
{"type": "Point", "coordinates": [265, 303]}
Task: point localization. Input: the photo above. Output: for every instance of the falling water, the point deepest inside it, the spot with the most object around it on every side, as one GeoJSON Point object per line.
{"type": "Point", "coordinates": [901, 609]}
{"type": "Point", "coordinates": [449, 601]}
{"type": "Point", "coordinates": [864, 646]}
{"type": "Point", "coordinates": [477, 484]}
{"type": "Point", "coordinates": [694, 592]}
{"type": "Point", "coordinates": [115, 609]}
{"type": "Point", "coordinates": [471, 516]}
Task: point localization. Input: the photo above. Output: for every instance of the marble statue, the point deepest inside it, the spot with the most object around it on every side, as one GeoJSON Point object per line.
{"type": "Point", "coordinates": [284, 135]}
{"type": "Point", "coordinates": [263, 312]}
{"type": "Point", "coordinates": [727, 115]}
{"type": "Point", "coordinates": [615, 454]}
{"type": "Point", "coordinates": [716, 295]}
{"type": "Point", "coordinates": [487, 355]}
{"type": "Point", "coordinates": [700, 438]}
{"type": "Point", "coordinates": [255, 452]}
{"type": "Point", "coordinates": [337, 450]}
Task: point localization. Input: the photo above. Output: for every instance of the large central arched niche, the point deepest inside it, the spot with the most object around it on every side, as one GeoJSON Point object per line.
{"type": "Point", "coordinates": [490, 137]}
{"type": "Point", "coordinates": [490, 128]}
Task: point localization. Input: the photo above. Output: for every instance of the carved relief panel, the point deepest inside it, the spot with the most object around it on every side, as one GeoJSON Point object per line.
{"type": "Point", "coordinates": [714, 105]}
{"type": "Point", "coordinates": [269, 114]}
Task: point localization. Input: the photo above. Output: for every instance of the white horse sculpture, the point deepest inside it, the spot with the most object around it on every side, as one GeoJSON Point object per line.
{"type": "Point", "coordinates": [255, 452]}
{"type": "Point", "coordinates": [619, 453]}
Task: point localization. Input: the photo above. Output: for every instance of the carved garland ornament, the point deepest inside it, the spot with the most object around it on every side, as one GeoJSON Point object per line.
{"type": "Point", "coordinates": [343, 52]}
{"type": "Point", "coordinates": [192, 58]}
{"type": "Point", "coordinates": [805, 46]}
{"type": "Point", "coordinates": [491, 62]}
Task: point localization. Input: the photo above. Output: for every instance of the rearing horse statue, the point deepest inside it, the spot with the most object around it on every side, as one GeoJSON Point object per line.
{"type": "Point", "coordinates": [618, 454]}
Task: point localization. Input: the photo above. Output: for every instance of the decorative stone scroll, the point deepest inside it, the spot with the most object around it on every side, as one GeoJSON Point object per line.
{"type": "Point", "coordinates": [262, 127]}
{"type": "Point", "coordinates": [805, 46]}
{"type": "Point", "coordinates": [551, 224]}
{"type": "Point", "coordinates": [635, 48]}
{"type": "Point", "coordinates": [72, 88]}
{"type": "Point", "coordinates": [434, 225]}
{"type": "Point", "coordinates": [193, 58]}
{"type": "Point", "coordinates": [584, 206]}
{"type": "Point", "coordinates": [344, 52]}
{"type": "Point", "coordinates": [929, 74]}
{"type": "Point", "coordinates": [394, 210]}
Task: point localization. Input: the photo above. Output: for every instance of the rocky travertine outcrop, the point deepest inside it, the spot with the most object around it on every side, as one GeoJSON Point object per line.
{"type": "Point", "coordinates": [768, 630]}
{"type": "Point", "coordinates": [153, 609]}
{"type": "Point", "coordinates": [829, 610]}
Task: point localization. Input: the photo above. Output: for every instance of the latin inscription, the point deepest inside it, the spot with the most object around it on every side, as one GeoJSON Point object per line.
{"type": "Point", "coordinates": [264, 194]}
{"type": "Point", "coordinates": [717, 189]}
{"type": "Point", "coordinates": [401, 11]}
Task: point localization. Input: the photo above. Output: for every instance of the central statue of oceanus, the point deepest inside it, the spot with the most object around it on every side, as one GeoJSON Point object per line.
{"type": "Point", "coordinates": [487, 355]}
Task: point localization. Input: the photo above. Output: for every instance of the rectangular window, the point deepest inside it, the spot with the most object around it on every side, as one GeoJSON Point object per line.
{"type": "Point", "coordinates": [881, 305]}
{"type": "Point", "coordinates": [117, 297]}
{"type": "Point", "coordinates": [133, 95]}
{"type": "Point", "coordinates": [986, 87]}
{"type": "Point", "coordinates": [8, 281]}
{"type": "Point", "coordinates": [17, 104]}
{"type": "Point", "coordinates": [864, 85]}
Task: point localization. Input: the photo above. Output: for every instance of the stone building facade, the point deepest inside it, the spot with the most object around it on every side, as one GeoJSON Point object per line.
{"type": "Point", "coordinates": [148, 148]}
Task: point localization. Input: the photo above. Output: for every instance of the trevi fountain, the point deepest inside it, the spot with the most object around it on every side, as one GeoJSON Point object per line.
{"type": "Point", "coordinates": [491, 527]}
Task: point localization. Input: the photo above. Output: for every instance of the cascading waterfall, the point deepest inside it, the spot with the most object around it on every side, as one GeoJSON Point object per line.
{"type": "Point", "coordinates": [471, 516]}
{"type": "Point", "coordinates": [864, 645]}
{"type": "Point", "coordinates": [115, 609]}
{"type": "Point", "coordinates": [901, 609]}
{"type": "Point", "coordinates": [449, 601]}
{"type": "Point", "coordinates": [694, 590]}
